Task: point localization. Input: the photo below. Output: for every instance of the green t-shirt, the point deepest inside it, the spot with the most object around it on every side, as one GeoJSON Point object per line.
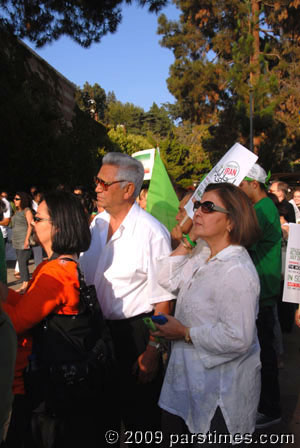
{"type": "Point", "coordinates": [266, 253]}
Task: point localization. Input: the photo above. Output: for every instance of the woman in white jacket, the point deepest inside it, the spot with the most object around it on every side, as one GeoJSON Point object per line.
{"type": "Point", "coordinates": [212, 381]}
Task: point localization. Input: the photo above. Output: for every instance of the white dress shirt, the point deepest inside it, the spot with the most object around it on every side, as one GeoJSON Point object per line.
{"type": "Point", "coordinates": [6, 214]}
{"type": "Point", "coordinates": [218, 300]}
{"type": "Point", "coordinates": [124, 268]}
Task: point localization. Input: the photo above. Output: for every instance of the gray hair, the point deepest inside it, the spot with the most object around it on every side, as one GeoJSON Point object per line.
{"type": "Point", "coordinates": [129, 169]}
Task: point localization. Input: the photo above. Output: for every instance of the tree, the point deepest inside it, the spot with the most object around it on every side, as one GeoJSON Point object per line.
{"type": "Point", "coordinates": [85, 21]}
{"type": "Point", "coordinates": [92, 100]}
{"type": "Point", "coordinates": [183, 154]}
{"type": "Point", "coordinates": [157, 121]}
{"type": "Point", "coordinates": [127, 143]}
{"type": "Point", "coordinates": [222, 50]}
{"type": "Point", "coordinates": [127, 115]}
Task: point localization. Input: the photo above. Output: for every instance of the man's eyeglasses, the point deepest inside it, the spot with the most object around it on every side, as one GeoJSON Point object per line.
{"type": "Point", "coordinates": [104, 184]}
{"type": "Point", "coordinates": [208, 207]}
{"type": "Point", "coordinates": [37, 219]}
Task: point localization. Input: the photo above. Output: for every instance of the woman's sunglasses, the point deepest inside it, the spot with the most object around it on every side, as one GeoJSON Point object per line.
{"type": "Point", "coordinates": [37, 219]}
{"type": "Point", "coordinates": [208, 207]}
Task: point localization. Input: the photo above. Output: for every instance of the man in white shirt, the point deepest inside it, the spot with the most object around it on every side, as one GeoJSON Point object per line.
{"type": "Point", "coordinates": [121, 262]}
{"type": "Point", "coordinates": [6, 219]}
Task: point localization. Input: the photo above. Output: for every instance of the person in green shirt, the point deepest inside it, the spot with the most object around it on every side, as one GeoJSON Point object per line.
{"type": "Point", "coordinates": [266, 255]}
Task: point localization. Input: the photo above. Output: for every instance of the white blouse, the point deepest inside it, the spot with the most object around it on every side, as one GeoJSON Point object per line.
{"type": "Point", "coordinates": [218, 300]}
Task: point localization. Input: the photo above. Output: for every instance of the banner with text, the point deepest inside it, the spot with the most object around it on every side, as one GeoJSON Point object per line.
{"type": "Point", "coordinates": [291, 291]}
{"type": "Point", "coordinates": [232, 168]}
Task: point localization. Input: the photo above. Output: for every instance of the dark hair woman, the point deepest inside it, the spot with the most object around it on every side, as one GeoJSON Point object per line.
{"type": "Point", "coordinates": [215, 357]}
{"type": "Point", "coordinates": [21, 231]}
{"type": "Point", "coordinates": [61, 227]}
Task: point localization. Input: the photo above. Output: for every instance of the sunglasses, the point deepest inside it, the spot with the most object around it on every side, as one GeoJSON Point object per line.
{"type": "Point", "coordinates": [37, 219]}
{"type": "Point", "coordinates": [104, 184]}
{"type": "Point", "coordinates": [17, 199]}
{"type": "Point", "coordinates": [208, 207]}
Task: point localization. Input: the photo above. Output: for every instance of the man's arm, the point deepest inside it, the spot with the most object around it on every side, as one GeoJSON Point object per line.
{"type": "Point", "coordinates": [147, 363]}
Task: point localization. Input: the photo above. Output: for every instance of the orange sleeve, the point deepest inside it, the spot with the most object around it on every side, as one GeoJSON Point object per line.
{"type": "Point", "coordinates": [53, 288]}
{"type": "Point", "coordinates": [13, 297]}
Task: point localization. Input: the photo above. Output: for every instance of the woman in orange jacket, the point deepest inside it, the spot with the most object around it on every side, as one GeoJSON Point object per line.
{"type": "Point", "coordinates": [61, 227]}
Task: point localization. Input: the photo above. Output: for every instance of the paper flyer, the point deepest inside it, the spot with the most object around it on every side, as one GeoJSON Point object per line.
{"type": "Point", "coordinates": [146, 157]}
{"type": "Point", "coordinates": [291, 291]}
{"type": "Point", "coordinates": [232, 168]}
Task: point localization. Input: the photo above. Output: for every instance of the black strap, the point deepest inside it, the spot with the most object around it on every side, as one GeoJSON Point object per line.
{"type": "Point", "coordinates": [82, 284]}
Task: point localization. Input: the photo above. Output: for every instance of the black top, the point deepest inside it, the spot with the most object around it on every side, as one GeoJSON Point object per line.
{"type": "Point", "coordinates": [291, 212]}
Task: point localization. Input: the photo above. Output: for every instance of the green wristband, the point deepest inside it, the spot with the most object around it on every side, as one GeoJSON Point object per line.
{"type": "Point", "coordinates": [192, 243]}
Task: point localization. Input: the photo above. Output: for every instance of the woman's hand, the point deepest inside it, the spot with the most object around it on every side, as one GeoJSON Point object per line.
{"type": "Point", "coordinates": [172, 330]}
{"type": "Point", "coordinates": [176, 233]}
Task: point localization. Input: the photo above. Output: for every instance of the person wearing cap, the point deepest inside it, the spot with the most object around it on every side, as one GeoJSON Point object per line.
{"type": "Point", "coordinates": [280, 189]}
{"type": "Point", "coordinates": [266, 255]}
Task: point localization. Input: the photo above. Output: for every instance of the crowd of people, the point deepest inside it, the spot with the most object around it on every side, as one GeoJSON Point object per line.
{"type": "Point", "coordinates": [71, 370]}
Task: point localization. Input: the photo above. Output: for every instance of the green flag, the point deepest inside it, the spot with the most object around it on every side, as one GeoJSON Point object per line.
{"type": "Point", "coordinates": [162, 201]}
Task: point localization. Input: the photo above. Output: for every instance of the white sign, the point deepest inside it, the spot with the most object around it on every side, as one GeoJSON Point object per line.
{"type": "Point", "coordinates": [291, 291]}
{"type": "Point", "coordinates": [146, 157]}
{"type": "Point", "coordinates": [232, 168]}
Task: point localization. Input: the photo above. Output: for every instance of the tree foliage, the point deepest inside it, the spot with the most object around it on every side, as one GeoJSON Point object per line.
{"type": "Point", "coordinates": [127, 143]}
{"type": "Point", "coordinates": [127, 115]}
{"type": "Point", "coordinates": [184, 155]}
{"type": "Point", "coordinates": [222, 50]}
{"type": "Point", "coordinates": [157, 121]}
{"type": "Point", "coordinates": [92, 100]}
{"type": "Point", "coordinates": [85, 21]}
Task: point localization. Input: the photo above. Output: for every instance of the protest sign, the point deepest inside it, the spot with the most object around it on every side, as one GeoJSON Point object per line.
{"type": "Point", "coordinates": [146, 157]}
{"type": "Point", "coordinates": [291, 291]}
{"type": "Point", "coordinates": [232, 168]}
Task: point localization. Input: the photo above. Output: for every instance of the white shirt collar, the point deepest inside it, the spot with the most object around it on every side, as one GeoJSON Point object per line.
{"type": "Point", "coordinates": [227, 252]}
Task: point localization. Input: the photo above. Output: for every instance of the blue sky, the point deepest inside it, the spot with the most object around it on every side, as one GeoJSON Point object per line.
{"type": "Point", "coordinates": [130, 62]}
